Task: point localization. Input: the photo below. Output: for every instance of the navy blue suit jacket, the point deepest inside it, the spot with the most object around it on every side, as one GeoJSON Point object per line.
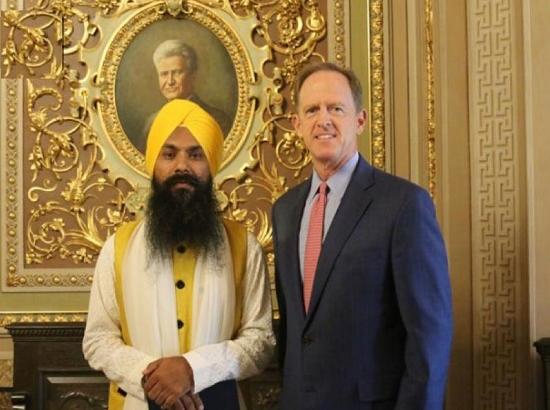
{"type": "Point", "coordinates": [378, 331]}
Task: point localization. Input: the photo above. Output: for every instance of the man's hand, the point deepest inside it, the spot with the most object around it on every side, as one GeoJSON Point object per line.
{"type": "Point", "coordinates": [166, 380]}
{"type": "Point", "coordinates": [189, 401]}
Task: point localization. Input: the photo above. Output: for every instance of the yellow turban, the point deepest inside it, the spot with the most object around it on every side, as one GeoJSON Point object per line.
{"type": "Point", "coordinates": [184, 113]}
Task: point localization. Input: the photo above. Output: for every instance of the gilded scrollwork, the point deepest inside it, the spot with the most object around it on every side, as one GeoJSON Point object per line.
{"type": "Point", "coordinates": [377, 85]}
{"type": "Point", "coordinates": [41, 36]}
{"type": "Point", "coordinates": [63, 160]}
{"type": "Point", "coordinates": [430, 106]}
{"type": "Point", "coordinates": [7, 318]}
{"type": "Point", "coordinates": [292, 29]}
{"type": "Point", "coordinates": [263, 187]}
{"type": "Point", "coordinates": [33, 48]}
{"type": "Point", "coordinates": [12, 207]}
{"type": "Point", "coordinates": [339, 31]}
{"type": "Point", "coordinates": [83, 177]}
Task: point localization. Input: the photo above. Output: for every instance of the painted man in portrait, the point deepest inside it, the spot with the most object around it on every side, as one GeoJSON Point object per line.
{"type": "Point", "coordinates": [176, 66]}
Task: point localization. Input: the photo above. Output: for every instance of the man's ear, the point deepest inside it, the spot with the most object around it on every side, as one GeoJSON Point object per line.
{"type": "Point", "coordinates": [361, 120]}
{"type": "Point", "coordinates": [296, 123]}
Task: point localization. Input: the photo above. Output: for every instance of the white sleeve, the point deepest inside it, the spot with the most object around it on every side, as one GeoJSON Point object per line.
{"type": "Point", "coordinates": [102, 344]}
{"type": "Point", "coordinates": [250, 352]}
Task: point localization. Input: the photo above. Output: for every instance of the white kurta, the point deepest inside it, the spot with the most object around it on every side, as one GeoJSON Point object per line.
{"type": "Point", "coordinates": [151, 315]}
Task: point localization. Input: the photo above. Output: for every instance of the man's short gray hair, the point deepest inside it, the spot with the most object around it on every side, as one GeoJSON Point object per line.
{"type": "Point", "coordinates": [170, 48]}
{"type": "Point", "coordinates": [353, 81]}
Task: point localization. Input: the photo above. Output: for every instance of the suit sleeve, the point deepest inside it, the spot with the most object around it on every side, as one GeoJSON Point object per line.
{"type": "Point", "coordinates": [421, 277]}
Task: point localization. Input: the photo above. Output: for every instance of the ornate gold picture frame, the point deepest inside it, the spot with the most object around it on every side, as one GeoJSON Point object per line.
{"type": "Point", "coordinates": [227, 66]}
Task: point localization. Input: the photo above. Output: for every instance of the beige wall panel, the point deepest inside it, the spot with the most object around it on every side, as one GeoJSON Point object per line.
{"type": "Point", "coordinates": [397, 98]}
{"type": "Point", "coordinates": [498, 231]}
{"type": "Point", "coordinates": [537, 105]}
{"type": "Point", "coordinates": [454, 194]}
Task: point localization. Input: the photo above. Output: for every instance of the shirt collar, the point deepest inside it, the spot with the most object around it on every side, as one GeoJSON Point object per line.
{"type": "Point", "coordinates": [338, 182]}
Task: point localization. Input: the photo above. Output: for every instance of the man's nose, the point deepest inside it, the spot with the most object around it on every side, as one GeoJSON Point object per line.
{"type": "Point", "coordinates": [324, 119]}
{"type": "Point", "coordinates": [182, 165]}
{"type": "Point", "coordinates": [171, 78]}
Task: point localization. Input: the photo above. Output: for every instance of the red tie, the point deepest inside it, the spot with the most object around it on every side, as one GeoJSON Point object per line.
{"type": "Point", "coordinates": [314, 241]}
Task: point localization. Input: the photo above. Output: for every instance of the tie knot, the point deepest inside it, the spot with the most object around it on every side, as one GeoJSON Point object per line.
{"type": "Point", "coordinates": [323, 188]}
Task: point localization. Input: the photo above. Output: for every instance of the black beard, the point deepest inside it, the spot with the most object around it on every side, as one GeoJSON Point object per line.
{"type": "Point", "coordinates": [182, 216]}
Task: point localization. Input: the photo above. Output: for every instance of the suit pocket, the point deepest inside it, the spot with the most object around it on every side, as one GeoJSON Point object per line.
{"type": "Point", "coordinates": [386, 389]}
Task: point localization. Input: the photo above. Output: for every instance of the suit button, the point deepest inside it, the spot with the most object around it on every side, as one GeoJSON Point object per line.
{"type": "Point", "coordinates": [180, 324]}
{"type": "Point", "coordinates": [181, 248]}
{"type": "Point", "coordinates": [306, 340]}
{"type": "Point", "coordinates": [180, 284]}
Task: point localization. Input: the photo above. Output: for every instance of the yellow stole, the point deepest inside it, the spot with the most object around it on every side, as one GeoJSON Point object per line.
{"type": "Point", "coordinates": [184, 269]}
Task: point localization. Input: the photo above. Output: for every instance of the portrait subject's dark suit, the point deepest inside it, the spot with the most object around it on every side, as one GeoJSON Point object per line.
{"type": "Point", "coordinates": [378, 331]}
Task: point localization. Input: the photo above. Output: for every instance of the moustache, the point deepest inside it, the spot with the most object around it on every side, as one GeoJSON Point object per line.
{"type": "Point", "coordinates": [188, 179]}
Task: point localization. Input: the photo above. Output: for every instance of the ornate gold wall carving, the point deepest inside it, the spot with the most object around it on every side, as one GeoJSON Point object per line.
{"type": "Point", "coordinates": [430, 99]}
{"type": "Point", "coordinates": [497, 259]}
{"type": "Point", "coordinates": [73, 177]}
{"type": "Point", "coordinates": [7, 318]}
{"type": "Point", "coordinates": [377, 91]}
{"type": "Point", "coordinates": [67, 189]}
{"type": "Point", "coordinates": [10, 145]}
{"type": "Point", "coordinates": [338, 19]}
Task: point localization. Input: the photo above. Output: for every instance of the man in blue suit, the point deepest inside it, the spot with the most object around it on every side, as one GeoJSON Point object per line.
{"type": "Point", "coordinates": [370, 325]}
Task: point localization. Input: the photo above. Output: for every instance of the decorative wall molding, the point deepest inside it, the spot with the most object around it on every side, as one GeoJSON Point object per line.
{"type": "Point", "coordinates": [7, 318]}
{"type": "Point", "coordinates": [430, 96]}
{"type": "Point", "coordinates": [46, 331]}
{"type": "Point", "coordinates": [499, 327]}
{"type": "Point", "coordinates": [11, 170]}
{"type": "Point", "coordinates": [338, 20]}
{"type": "Point", "coordinates": [377, 84]}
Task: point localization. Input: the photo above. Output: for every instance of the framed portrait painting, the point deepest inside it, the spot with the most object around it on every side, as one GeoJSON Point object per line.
{"type": "Point", "coordinates": [156, 54]}
{"type": "Point", "coordinates": [191, 63]}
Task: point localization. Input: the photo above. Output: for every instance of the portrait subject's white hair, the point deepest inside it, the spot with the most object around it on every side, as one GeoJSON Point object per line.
{"type": "Point", "coordinates": [174, 47]}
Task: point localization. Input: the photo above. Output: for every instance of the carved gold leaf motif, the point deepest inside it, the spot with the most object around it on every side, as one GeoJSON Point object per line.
{"type": "Point", "coordinates": [85, 177]}
{"type": "Point", "coordinates": [73, 175]}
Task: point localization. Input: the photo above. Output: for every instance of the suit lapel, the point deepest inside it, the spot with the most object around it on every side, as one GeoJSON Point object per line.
{"type": "Point", "coordinates": [292, 254]}
{"type": "Point", "coordinates": [354, 204]}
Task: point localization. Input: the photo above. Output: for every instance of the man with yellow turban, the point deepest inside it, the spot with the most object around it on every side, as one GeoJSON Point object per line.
{"type": "Point", "coordinates": [180, 305]}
